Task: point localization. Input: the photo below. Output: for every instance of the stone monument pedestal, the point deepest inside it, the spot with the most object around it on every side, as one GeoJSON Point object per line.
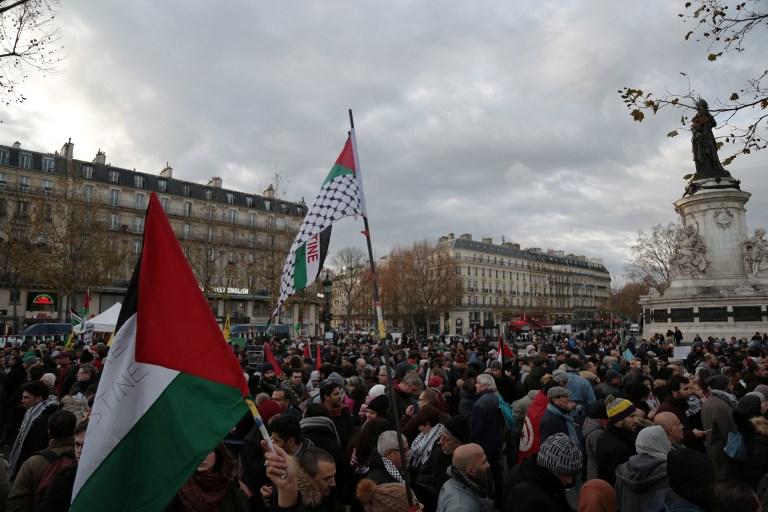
{"type": "Point", "coordinates": [720, 275]}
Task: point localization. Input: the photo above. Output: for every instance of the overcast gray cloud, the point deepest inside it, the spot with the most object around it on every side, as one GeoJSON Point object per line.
{"type": "Point", "coordinates": [494, 118]}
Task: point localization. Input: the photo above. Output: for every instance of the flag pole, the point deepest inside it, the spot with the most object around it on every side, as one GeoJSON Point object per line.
{"type": "Point", "coordinates": [380, 322]}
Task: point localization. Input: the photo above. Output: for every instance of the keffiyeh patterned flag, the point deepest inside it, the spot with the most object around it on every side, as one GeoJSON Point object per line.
{"type": "Point", "coordinates": [340, 196]}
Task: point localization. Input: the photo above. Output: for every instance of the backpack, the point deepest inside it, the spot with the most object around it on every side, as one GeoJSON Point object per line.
{"type": "Point", "coordinates": [56, 462]}
{"type": "Point", "coordinates": [506, 413]}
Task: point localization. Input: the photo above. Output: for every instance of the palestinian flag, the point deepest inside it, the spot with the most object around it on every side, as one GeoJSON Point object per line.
{"type": "Point", "coordinates": [340, 196]}
{"type": "Point", "coordinates": [74, 318]}
{"type": "Point", "coordinates": [171, 387]}
{"type": "Point", "coordinates": [504, 350]}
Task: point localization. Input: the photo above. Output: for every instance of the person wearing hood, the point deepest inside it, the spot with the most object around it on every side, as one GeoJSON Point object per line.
{"type": "Point", "coordinates": [641, 480]}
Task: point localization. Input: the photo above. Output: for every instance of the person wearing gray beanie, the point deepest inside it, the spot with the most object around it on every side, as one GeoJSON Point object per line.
{"type": "Point", "coordinates": [539, 482]}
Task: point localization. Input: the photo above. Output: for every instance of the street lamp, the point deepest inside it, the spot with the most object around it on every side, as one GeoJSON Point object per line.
{"type": "Point", "coordinates": [327, 286]}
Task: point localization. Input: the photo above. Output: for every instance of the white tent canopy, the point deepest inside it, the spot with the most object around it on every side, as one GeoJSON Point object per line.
{"type": "Point", "coordinates": [104, 322]}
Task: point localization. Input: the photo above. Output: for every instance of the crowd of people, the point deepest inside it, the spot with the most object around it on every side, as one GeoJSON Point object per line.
{"type": "Point", "coordinates": [590, 422]}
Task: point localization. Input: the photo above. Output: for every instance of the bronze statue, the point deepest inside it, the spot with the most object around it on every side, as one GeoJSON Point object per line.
{"type": "Point", "coordinates": [703, 144]}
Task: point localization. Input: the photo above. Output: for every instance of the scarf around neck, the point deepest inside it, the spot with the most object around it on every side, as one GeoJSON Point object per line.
{"type": "Point", "coordinates": [392, 470]}
{"type": "Point", "coordinates": [482, 489]}
{"type": "Point", "coordinates": [421, 448]}
{"type": "Point", "coordinates": [568, 421]}
{"type": "Point", "coordinates": [203, 492]}
{"type": "Point", "coordinates": [726, 396]}
{"type": "Point", "coordinates": [30, 417]}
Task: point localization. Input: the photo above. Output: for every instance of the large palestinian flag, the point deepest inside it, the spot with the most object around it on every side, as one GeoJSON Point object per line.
{"type": "Point", "coordinates": [340, 196]}
{"type": "Point", "coordinates": [170, 391]}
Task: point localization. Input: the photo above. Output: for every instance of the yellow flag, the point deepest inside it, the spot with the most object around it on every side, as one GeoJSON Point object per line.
{"type": "Point", "coordinates": [70, 344]}
{"type": "Point", "coordinates": [226, 328]}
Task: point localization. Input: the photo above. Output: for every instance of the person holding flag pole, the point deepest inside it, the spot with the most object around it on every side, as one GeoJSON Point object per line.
{"type": "Point", "coordinates": [341, 195]}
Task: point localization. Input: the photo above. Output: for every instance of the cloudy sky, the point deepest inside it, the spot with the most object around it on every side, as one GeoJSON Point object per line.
{"type": "Point", "coordinates": [488, 117]}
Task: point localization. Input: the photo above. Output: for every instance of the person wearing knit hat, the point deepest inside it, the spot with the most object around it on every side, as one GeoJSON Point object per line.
{"type": "Point", "coordinates": [642, 480]}
{"type": "Point", "coordinates": [539, 482]}
{"type": "Point", "coordinates": [377, 408]}
{"type": "Point", "coordinates": [469, 486]}
{"type": "Point", "coordinates": [268, 409]}
{"type": "Point", "coordinates": [617, 444]}
{"type": "Point", "coordinates": [455, 434]}
{"type": "Point", "coordinates": [691, 479]}
{"type": "Point", "coordinates": [381, 498]}
{"type": "Point", "coordinates": [597, 496]}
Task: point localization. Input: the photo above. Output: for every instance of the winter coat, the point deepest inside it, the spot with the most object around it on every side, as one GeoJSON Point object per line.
{"type": "Point", "coordinates": [466, 402]}
{"type": "Point", "coordinates": [717, 417]}
{"type": "Point", "coordinates": [591, 430]}
{"type": "Point", "coordinates": [59, 493]}
{"type": "Point", "coordinates": [614, 447]}
{"type": "Point", "coordinates": [552, 423]}
{"type": "Point", "coordinates": [22, 494]}
{"type": "Point", "coordinates": [756, 443]}
{"type": "Point", "coordinates": [581, 390]}
{"type": "Point", "coordinates": [520, 408]}
{"type": "Point", "coordinates": [640, 482]}
{"type": "Point", "coordinates": [430, 477]}
{"type": "Point", "coordinates": [673, 502]}
{"type": "Point", "coordinates": [532, 488]}
{"type": "Point", "coordinates": [455, 496]}
{"type": "Point", "coordinates": [485, 423]}
{"type": "Point", "coordinates": [678, 408]}
{"type": "Point", "coordinates": [378, 473]}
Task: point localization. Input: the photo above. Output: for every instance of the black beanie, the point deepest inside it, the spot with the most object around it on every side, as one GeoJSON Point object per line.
{"type": "Point", "coordinates": [458, 427]}
{"type": "Point", "coordinates": [690, 475]}
{"type": "Point", "coordinates": [719, 382]}
{"type": "Point", "coordinates": [379, 405]}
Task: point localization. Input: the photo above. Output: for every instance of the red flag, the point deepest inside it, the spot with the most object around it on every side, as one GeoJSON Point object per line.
{"type": "Point", "coordinates": [270, 357]}
{"type": "Point", "coordinates": [530, 438]}
{"type": "Point", "coordinates": [504, 350]}
{"type": "Point", "coordinates": [87, 299]}
{"type": "Point", "coordinates": [319, 358]}
{"type": "Point", "coordinates": [307, 355]}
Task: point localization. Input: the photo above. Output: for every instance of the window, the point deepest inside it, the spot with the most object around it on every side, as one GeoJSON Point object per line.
{"type": "Point", "coordinates": [88, 192]}
{"type": "Point", "coordinates": [138, 181]}
{"type": "Point", "coordinates": [140, 201]}
{"type": "Point", "coordinates": [5, 156]}
{"type": "Point", "coordinates": [185, 231]}
{"type": "Point", "coordinates": [187, 209]}
{"type": "Point", "coordinates": [185, 190]}
{"type": "Point", "coordinates": [24, 182]}
{"type": "Point", "coordinates": [209, 194]}
{"type": "Point", "coordinates": [164, 202]}
{"type": "Point", "coordinates": [47, 213]}
{"type": "Point", "coordinates": [49, 164]}
{"type": "Point", "coordinates": [3, 208]}
{"type": "Point", "coordinates": [114, 221]}
{"type": "Point", "coordinates": [22, 210]}
{"type": "Point", "coordinates": [114, 176]}
{"type": "Point", "coordinates": [249, 202]}
{"type": "Point", "coordinates": [233, 216]}
{"type": "Point", "coordinates": [230, 198]}
{"type": "Point", "coordinates": [87, 171]}
{"type": "Point", "coordinates": [210, 234]}
{"type": "Point", "coordinates": [47, 187]}
{"type": "Point", "coordinates": [162, 185]}
{"type": "Point", "coordinates": [25, 160]}
{"type": "Point", "coordinates": [3, 180]}
{"type": "Point", "coordinates": [136, 247]}
{"type": "Point", "coordinates": [267, 205]}
{"type": "Point", "coordinates": [252, 241]}
{"type": "Point", "coordinates": [252, 220]}
{"type": "Point", "coordinates": [211, 213]}
{"type": "Point", "coordinates": [138, 224]}
{"type": "Point", "coordinates": [114, 197]}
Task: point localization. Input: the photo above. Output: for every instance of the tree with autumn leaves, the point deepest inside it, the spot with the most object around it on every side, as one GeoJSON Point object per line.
{"type": "Point", "coordinates": [419, 283]}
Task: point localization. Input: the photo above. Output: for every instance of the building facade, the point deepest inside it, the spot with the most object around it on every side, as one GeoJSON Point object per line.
{"type": "Point", "coordinates": [502, 282]}
{"type": "Point", "coordinates": [235, 242]}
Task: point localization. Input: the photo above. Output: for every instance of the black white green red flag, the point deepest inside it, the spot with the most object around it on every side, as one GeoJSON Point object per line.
{"type": "Point", "coordinates": [170, 390]}
{"type": "Point", "coordinates": [340, 196]}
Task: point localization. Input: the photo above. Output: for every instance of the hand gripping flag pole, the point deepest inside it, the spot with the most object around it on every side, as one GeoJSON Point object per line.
{"type": "Point", "coordinates": [380, 318]}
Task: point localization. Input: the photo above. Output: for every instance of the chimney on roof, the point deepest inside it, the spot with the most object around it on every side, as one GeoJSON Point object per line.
{"type": "Point", "coordinates": [450, 236]}
{"type": "Point", "coordinates": [100, 158]}
{"type": "Point", "coordinates": [466, 236]}
{"type": "Point", "coordinates": [269, 192]}
{"type": "Point", "coordinates": [16, 145]}
{"type": "Point", "coordinates": [515, 247]}
{"type": "Point", "coordinates": [488, 241]}
{"type": "Point", "coordinates": [215, 182]}
{"type": "Point", "coordinates": [167, 171]}
{"type": "Point", "coordinates": [68, 150]}
{"type": "Point", "coordinates": [443, 239]}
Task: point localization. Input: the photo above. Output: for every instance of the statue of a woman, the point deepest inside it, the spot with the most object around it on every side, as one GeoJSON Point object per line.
{"type": "Point", "coordinates": [703, 144]}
